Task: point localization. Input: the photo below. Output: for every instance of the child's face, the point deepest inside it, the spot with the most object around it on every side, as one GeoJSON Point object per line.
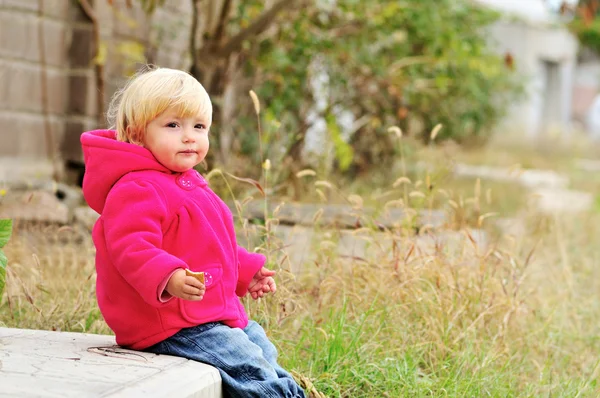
{"type": "Point", "coordinates": [178, 143]}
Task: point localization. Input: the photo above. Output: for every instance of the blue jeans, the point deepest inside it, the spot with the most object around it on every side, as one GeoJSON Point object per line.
{"type": "Point", "coordinates": [246, 359]}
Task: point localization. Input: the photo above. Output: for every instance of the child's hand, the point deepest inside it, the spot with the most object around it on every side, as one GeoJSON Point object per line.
{"type": "Point", "coordinates": [185, 287]}
{"type": "Point", "coordinates": [262, 283]}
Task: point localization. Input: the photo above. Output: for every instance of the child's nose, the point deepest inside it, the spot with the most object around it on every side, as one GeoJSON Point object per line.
{"type": "Point", "coordinates": [188, 135]}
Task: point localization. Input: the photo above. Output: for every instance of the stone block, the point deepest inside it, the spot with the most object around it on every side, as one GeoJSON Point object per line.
{"type": "Point", "coordinates": [86, 217]}
{"type": "Point", "coordinates": [37, 205]}
{"type": "Point", "coordinates": [22, 5]}
{"type": "Point", "coordinates": [14, 169]}
{"type": "Point", "coordinates": [552, 201]}
{"type": "Point", "coordinates": [515, 226]}
{"type": "Point", "coordinates": [28, 130]}
{"type": "Point", "coordinates": [335, 215]}
{"type": "Point", "coordinates": [70, 147]}
{"type": "Point", "coordinates": [530, 178]}
{"type": "Point", "coordinates": [22, 88]}
{"type": "Point", "coordinates": [39, 194]}
{"type": "Point", "coordinates": [58, 9]}
{"type": "Point", "coordinates": [77, 14]}
{"type": "Point", "coordinates": [19, 38]}
{"type": "Point", "coordinates": [82, 97]}
{"type": "Point", "coordinates": [4, 82]}
{"type": "Point", "coordinates": [41, 363]}
{"type": "Point", "coordinates": [82, 50]}
{"type": "Point", "coordinates": [56, 38]}
{"type": "Point", "coordinates": [302, 245]}
{"type": "Point", "coordinates": [9, 144]}
{"type": "Point", "coordinates": [78, 94]}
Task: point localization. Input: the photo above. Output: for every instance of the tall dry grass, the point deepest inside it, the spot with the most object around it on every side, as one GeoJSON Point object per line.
{"type": "Point", "coordinates": [421, 312]}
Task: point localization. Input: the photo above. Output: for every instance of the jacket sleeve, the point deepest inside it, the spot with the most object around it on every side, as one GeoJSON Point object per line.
{"type": "Point", "coordinates": [249, 264]}
{"type": "Point", "coordinates": [134, 214]}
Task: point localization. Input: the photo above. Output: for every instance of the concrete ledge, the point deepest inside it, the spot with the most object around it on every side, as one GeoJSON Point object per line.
{"type": "Point", "coordinates": [35, 363]}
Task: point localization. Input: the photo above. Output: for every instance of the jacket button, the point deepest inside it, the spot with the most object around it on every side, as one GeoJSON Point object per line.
{"type": "Point", "coordinates": [208, 279]}
{"type": "Point", "coordinates": [185, 182]}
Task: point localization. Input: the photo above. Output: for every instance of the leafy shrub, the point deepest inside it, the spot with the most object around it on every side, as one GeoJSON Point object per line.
{"type": "Point", "coordinates": [410, 63]}
{"type": "Point", "coordinates": [5, 232]}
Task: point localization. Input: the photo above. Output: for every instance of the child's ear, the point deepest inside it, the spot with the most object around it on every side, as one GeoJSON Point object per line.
{"type": "Point", "coordinates": [135, 136]}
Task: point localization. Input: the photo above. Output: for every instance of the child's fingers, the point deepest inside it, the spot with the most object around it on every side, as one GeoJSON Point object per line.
{"type": "Point", "coordinates": [270, 286]}
{"type": "Point", "coordinates": [191, 281]}
{"type": "Point", "coordinates": [193, 290]}
{"type": "Point", "coordinates": [192, 297]}
{"type": "Point", "coordinates": [267, 272]}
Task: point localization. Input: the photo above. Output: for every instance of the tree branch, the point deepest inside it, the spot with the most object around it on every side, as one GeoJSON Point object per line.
{"type": "Point", "coordinates": [261, 23]}
{"type": "Point", "coordinates": [88, 9]}
{"type": "Point", "coordinates": [194, 30]}
{"type": "Point", "coordinates": [49, 134]}
{"type": "Point", "coordinates": [223, 19]}
{"type": "Point", "coordinates": [99, 67]}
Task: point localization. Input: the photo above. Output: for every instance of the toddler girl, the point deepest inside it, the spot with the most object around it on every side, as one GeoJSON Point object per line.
{"type": "Point", "coordinates": [158, 218]}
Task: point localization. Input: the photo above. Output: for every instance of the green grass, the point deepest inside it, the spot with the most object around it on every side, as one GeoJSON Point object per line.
{"type": "Point", "coordinates": [518, 320]}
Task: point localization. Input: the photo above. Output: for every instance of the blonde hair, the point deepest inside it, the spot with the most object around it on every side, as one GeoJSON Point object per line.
{"type": "Point", "coordinates": [149, 93]}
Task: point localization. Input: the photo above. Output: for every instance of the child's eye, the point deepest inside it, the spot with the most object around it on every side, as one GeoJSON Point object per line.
{"type": "Point", "coordinates": [200, 126]}
{"type": "Point", "coordinates": [172, 125]}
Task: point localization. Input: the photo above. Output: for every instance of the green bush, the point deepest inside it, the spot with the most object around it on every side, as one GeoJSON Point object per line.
{"type": "Point", "coordinates": [411, 63]}
{"type": "Point", "coordinates": [588, 34]}
{"type": "Point", "coordinates": [5, 232]}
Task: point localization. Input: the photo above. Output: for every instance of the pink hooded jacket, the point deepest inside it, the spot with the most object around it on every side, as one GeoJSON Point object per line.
{"type": "Point", "coordinates": [152, 222]}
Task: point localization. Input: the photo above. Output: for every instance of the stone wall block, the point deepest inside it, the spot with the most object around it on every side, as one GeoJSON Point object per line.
{"type": "Point", "coordinates": [9, 140]}
{"type": "Point", "coordinates": [78, 93]}
{"type": "Point", "coordinates": [58, 8]}
{"type": "Point", "coordinates": [57, 91]}
{"type": "Point", "coordinates": [29, 132]}
{"type": "Point", "coordinates": [83, 99]}
{"type": "Point", "coordinates": [19, 38]}
{"type": "Point", "coordinates": [69, 51]}
{"type": "Point", "coordinates": [5, 78]}
{"type": "Point", "coordinates": [24, 90]}
{"type": "Point", "coordinates": [82, 50]}
{"type": "Point", "coordinates": [70, 146]}
{"type": "Point", "coordinates": [56, 39]}
{"type": "Point", "coordinates": [22, 5]}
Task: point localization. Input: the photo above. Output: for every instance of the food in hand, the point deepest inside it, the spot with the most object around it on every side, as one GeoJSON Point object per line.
{"type": "Point", "coordinates": [197, 275]}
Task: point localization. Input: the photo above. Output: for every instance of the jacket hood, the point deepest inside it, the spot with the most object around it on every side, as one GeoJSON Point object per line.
{"type": "Point", "coordinates": [107, 160]}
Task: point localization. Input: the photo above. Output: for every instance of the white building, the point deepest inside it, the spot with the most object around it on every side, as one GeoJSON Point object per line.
{"type": "Point", "coordinates": [545, 54]}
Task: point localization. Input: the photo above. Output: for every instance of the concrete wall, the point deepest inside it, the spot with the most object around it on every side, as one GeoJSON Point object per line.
{"type": "Point", "coordinates": [53, 41]}
{"type": "Point", "coordinates": [546, 58]}
{"type": "Point", "coordinates": [22, 120]}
